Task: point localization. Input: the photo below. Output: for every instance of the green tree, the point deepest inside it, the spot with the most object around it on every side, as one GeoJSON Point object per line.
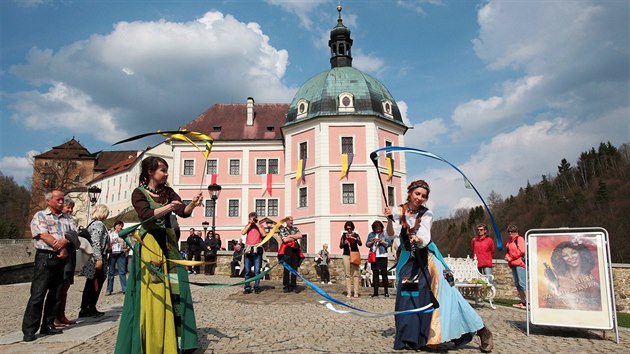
{"type": "Point", "coordinates": [602, 193]}
{"type": "Point", "coordinates": [14, 205]}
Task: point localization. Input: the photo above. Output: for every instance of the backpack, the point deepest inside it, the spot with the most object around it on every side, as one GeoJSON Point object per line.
{"type": "Point", "coordinates": [83, 232]}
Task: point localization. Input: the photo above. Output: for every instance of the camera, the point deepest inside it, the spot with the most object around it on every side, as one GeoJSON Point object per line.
{"type": "Point", "coordinates": [255, 220]}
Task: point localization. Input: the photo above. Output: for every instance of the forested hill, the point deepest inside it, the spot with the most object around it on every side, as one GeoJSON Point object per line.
{"type": "Point", "coordinates": [593, 193]}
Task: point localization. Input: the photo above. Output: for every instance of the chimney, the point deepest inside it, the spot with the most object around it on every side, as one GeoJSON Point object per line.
{"type": "Point", "coordinates": [250, 111]}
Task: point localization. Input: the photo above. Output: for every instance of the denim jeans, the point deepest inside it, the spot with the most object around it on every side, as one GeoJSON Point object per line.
{"type": "Point", "coordinates": [486, 271]}
{"type": "Point", "coordinates": [117, 262]}
{"type": "Point", "coordinates": [255, 260]}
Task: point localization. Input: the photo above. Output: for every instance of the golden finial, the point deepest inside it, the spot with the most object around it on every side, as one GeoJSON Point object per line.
{"type": "Point", "coordinates": [339, 8]}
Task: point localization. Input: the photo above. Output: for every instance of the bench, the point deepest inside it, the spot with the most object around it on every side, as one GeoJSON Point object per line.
{"type": "Point", "coordinates": [469, 281]}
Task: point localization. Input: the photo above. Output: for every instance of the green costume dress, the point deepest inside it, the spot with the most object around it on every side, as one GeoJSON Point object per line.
{"type": "Point", "coordinates": [158, 314]}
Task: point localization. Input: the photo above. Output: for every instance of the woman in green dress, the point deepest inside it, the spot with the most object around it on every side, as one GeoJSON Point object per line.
{"type": "Point", "coordinates": [158, 315]}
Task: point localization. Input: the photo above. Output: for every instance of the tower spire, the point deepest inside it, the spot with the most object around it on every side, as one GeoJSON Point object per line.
{"type": "Point", "coordinates": [340, 44]}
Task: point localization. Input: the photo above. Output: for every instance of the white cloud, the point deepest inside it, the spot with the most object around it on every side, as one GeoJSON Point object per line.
{"type": "Point", "coordinates": [369, 63]}
{"type": "Point", "coordinates": [426, 133]}
{"type": "Point", "coordinates": [418, 5]}
{"type": "Point", "coordinates": [511, 159]}
{"type": "Point", "coordinates": [302, 9]}
{"type": "Point", "coordinates": [31, 3]}
{"type": "Point", "coordinates": [571, 58]}
{"type": "Point", "coordinates": [19, 167]}
{"type": "Point", "coordinates": [153, 75]}
{"type": "Point", "coordinates": [65, 107]}
{"type": "Point", "coordinates": [515, 102]}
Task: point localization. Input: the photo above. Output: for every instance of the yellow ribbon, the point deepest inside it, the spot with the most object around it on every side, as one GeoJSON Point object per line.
{"type": "Point", "coordinates": [272, 232]}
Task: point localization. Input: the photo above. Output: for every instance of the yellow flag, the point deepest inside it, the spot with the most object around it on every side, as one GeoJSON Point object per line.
{"type": "Point", "coordinates": [298, 172]}
{"type": "Point", "coordinates": [390, 168]}
{"type": "Point", "coordinates": [344, 165]}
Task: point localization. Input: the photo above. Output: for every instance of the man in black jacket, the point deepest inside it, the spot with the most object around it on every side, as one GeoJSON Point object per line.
{"type": "Point", "coordinates": [195, 246]}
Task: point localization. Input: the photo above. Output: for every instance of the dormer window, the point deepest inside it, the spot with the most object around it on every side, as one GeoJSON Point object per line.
{"type": "Point", "coordinates": [270, 128]}
{"type": "Point", "coordinates": [346, 102]}
{"type": "Point", "coordinates": [216, 128]}
{"type": "Point", "coordinates": [302, 108]}
{"type": "Point", "coordinates": [387, 108]}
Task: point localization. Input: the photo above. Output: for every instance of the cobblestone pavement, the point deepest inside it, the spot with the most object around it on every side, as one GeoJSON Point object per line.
{"type": "Point", "coordinates": [231, 322]}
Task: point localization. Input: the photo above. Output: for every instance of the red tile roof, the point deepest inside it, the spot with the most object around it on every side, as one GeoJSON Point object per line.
{"type": "Point", "coordinates": [116, 168]}
{"type": "Point", "coordinates": [107, 159]}
{"type": "Point", "coordinates": [70, 150]}
{"type": "Point", "coordinates": [231, 119]}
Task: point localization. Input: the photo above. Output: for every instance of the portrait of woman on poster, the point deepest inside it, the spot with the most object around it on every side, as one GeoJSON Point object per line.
{"type": "Point", "coordinates": [571, 284]}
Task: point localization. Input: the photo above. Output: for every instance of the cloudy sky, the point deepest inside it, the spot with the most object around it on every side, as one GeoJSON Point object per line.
{"type": "Point", "coordinates": [502, 89]}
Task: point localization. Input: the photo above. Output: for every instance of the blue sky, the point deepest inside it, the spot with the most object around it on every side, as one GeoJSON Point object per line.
{"type": "Point", "coordinates": [503, 89]}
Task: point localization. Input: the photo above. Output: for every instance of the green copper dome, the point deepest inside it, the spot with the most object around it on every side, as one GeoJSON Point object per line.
{"type": "Point", "coordinates": [321, 95]}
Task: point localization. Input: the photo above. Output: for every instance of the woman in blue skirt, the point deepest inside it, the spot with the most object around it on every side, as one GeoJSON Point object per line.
{"type": "Point", "coordinates": [420, 281]}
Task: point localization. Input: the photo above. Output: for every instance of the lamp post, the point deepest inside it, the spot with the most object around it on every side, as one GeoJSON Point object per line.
{"type": "Point", "coordinates": [205, 228]}
{"type": "Point", "coordinates": [214, 190]}
{"type": "Point", "coordinates": [93, 193]}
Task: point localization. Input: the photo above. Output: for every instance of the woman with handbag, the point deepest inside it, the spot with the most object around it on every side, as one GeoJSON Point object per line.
{"type": "Point", "coordinates": [378, 243]}
{"type": "Point", "coordinates": [350, 242]}
{"type": "Point", "coordinates": [421, 280]}
{"type": "Point", "coordinates": [94, 269]}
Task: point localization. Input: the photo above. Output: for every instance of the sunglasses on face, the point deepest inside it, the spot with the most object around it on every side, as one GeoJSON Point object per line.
{"type": "Point", "coordinates": [481, 229]}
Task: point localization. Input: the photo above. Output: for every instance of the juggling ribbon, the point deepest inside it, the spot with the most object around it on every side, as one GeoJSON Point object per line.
{"type": "Point", "coordinates": [353, 310]}
{"type": "Point", "coordinates": [272, 232]}
{"type": "Point", "coordinates": [374, 156]}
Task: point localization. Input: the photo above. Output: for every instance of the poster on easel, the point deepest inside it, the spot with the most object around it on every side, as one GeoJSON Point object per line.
{"type": "Point", "coordinates": [570, 278]}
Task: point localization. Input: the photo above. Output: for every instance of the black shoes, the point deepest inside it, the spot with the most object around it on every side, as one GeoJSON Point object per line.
{"type": "Point", "coordinates": [486, 340]}
{"type": "Point", "coordinates": [386, 295]}
{"type": "Point", "coordinates": [29, 338]}
{"type": "Point", "coordinates": [464, 339]}
{"type": "Point", "coordinates": [49, 330]}
{"type": "Point", "coordinates": [374, 295]}
{"type": "Point", "coordinates": [90, 313]}
{"type": "Point", "coordinates": [257, 291]}
{"type": "Point", "coordinates": [247, 291]}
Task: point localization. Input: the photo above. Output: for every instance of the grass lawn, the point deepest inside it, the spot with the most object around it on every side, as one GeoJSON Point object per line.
{"type": "Point", "coordinates": [623, 319]}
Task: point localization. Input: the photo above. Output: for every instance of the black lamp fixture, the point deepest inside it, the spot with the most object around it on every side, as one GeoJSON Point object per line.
{"type": "Point", "coordinates": [214, 190]}
{"type": "Point", "coordinates": [94, 192]}
{"type": "Point", "coordinates": [205, 225]}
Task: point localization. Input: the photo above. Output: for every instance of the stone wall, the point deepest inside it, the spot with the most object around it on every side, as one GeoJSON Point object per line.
{"type": "Point", "coordinates": [16, 256]}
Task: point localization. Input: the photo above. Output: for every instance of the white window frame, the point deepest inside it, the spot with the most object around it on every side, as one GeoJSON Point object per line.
{"type": "Point", "coordinates": [238, 211]}
{"type": "Point", "coordinates": [341, 143]}
{"type": "Point", "coordinates": [298, 197]}
{"type": "Point", "coordinates": [345, 108]}
{"type": "Point", "coordinates": [230, 167]}
{"type": "Point", "coordinates": [267, 165]}
{"type": "Point", "coordinates": [297, 109]}
{"type": "Point", "coordinates": [263, 207]}
{"type": "Point", "coordinates": [305, 142]}
{"type": "Point", "coordinates": [206, 167]}
{"type": "Point", "coordinates": [391, 201]}
{"type": "Point", "coordinates": [354, 193]}
{"type": "Point", "coordinates": [184, 167]}
{"type": "Point", "coordinates": [277, 207]}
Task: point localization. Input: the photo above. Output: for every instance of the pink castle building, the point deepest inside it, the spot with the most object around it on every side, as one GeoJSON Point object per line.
{"type": "Point", "coordinates": [279, 159]}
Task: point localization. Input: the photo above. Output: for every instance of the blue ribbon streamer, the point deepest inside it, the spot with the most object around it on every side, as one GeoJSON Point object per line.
{"type": "Point", "coordinates": [374, 153]}
{"type": "Point", "coordinates": [357, 311]}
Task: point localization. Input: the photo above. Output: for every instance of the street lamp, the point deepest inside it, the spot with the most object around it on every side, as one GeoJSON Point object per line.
{"type": "Point", "coordinates": [205, 228]}
{"type": "Point", "coordinates": [214, 190]}
{"type": "Point", "coordinates": [94, 192]}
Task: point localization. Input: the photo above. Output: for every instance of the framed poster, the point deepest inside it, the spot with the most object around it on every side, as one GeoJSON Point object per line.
{"type": "Point", "coordinates": [569, 278]}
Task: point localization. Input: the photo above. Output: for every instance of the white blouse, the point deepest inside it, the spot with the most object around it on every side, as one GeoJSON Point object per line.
{"type": "Point", "coordinates": [424, 230]}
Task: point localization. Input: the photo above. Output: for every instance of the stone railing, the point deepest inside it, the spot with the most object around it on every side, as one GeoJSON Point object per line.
{"type": "Point", "coordinates": [16, 255]}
